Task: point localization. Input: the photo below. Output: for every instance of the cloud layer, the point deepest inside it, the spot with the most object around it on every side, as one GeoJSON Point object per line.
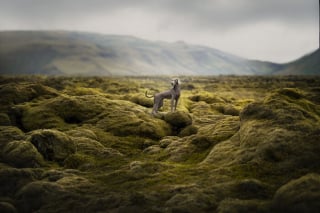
{"type": "Point", "coordinates": [267, 30]}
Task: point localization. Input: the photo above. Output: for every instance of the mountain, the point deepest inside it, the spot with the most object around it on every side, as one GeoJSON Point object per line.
{"type": "Point", "coordinates": [307, 65]}
{"type": "Point", "coordinates": [76, 53]}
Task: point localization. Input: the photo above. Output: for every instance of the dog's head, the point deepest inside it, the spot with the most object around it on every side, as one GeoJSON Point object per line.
{"type": "Point", "coordinates": [175, 82]}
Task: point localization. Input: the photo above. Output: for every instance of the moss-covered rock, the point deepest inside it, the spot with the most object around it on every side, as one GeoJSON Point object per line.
{"type": "Point", "coordinates": [193, 201]}
{"type": "Point", "coordinates": [14, 93]}
{"type": "Point", "coordinates": [299, 195]}
{"type": "Point", "coordinates": [6, 207]}
{"type": "Point", "coordinates": [82, 132]}
{"type": "Point", "coordinates": [178, 119]}
{"type": "Point", "coordinates": [79, 161]}
{"type": "Point", "coordinates": [188, 130]}
{"type": "Point", "coordinates": [52, 144]}
{"type": "Point", "coordinates": [140, 99]}
{"type": "Point", "coordinates": [242, 206]}
{"type": "Point", "coordinates": [12, 179]}
{"type": "Point", "coordinates": [125, 119]}
{"type": "Point", "coordinates": [207, 97]}
{"type": "Point", "coordinates": [21, 154]}
{"type": "Point", "coordinates": [40, 117]}
{"type": "Point", "coordinates": [4, 120]}
{"type": "Point", "coordinates": [10, 133]}
{"type": "Point", "coordinates": [36, 194]}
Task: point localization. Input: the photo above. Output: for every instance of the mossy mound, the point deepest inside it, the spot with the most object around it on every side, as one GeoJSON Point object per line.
{"type": "Point", "coordinates": [63, 110]}
{"type": "Point", "coordinates": [140, 99]}
{"type": "Point", "coordinates": [188, 130]}
{"type": "Point", "coordinates": [7, 207]}
{"type": "Point", "coordinates": [77, 109]}
{"type": "Point", "coordinates": [299, 195]}
{"type": "Point", "coordinates": [21, 154]}
{"type": "Point", "coordinates": [38, 117]}
{"type": "Point", "coordinates": [52, 144]}
{"type": "Point", "coordinates": [13, 93]}
{"type": "Point", "coordinates": [242, 206]}
{"type": "Point", "coordinates": [178, 119]}
{"type": "Point", "coordinates": [207, 97]}
{"type": "Point", "coordinates": [123, 119]}
{"type": "Point", "coordinates": [82, 132]}
{"type": "Point", "coordinates": [10, 133]}
{"type": "Point", "coordinates": [36, 194]}
{"type": "Point", "coordinates": [12, 179]}
{"type": "Point", "coordinates": [4, 119]}
{"type": "Point", "coordinates": [79, 161]}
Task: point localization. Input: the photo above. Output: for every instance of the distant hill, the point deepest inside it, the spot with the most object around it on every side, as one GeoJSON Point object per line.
{"type": "Point", "coordinates": [76, 53]}
{"type": "Point", "coordinates": [307, 65]}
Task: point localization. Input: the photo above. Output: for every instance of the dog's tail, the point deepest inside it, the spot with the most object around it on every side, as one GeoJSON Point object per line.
{"type": "Point", "coordinates": [148, 96]}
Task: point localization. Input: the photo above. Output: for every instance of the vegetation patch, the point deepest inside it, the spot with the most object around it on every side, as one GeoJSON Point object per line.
{"type": "Point", "coordinates": [235, 144]}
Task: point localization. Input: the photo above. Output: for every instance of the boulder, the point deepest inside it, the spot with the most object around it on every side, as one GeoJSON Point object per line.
{"type": "Point", "coordinates": [124, 118]}
{"type": "Point", "coordinates": [10, 133]}
{"type": "Point", "coordinates": [34, 195]}
{"type": "Point", "coordinates": [12, 179]}
{"type": "Point", "coordinates": [242, 206]}
{"type": "Point", "coordinates": [6, 207]}
{"type": "Point", "coordinates": [178, 119]}
{"type": "Point", "coordinates": [4, 120]}
{"type": "Point", "coordinates": [189, 130]}
{"type": "Point", "coordinates": [52, 144]}
{"type": "Point", "coordinates": [299, 195]}
{"type": "Point", "coordinates": [21, 154]}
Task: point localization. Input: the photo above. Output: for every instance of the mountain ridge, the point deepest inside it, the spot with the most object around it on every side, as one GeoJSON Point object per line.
{"type": "Point", "coordinates": [82, 53]}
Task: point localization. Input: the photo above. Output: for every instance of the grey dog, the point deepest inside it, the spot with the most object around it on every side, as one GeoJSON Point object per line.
{"type": "Point", "coordinates": [173, 94]}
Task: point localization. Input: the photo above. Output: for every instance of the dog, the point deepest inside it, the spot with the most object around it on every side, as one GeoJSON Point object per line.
{"type": "Point", "coordinates": [173, 94]}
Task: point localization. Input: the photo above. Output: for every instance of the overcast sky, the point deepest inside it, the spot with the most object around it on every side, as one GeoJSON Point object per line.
{"type": "Point", "coordinates": [272, 30]}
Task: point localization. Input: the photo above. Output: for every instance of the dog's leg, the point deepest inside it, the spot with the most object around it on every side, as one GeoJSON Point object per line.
{"type": "Point", "coordinates": [155, 106]}
{"type": "Point", "coordinates": [176, 103]}
{"type": "Point", "coordinates": [172, 104]}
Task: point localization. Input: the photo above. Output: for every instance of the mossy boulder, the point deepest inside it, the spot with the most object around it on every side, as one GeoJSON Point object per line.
{"type": "Point", "coordinates": [77, 109]}
{"type": "Point", "coordinates": [124, 118]}
{"type": "Point", "coordinates": [79, 161]}
{"type": "Point", "coordinates": [299, 195]}
{"type": "Point", "coordinates": [191, 199]}
{"type": "Point", "coordinates": [188, 130]}
{"type": "Point", "coordinates": [140, 99]}
{"type": "Point", "coordinates": [52, 144]}
{"type": "Point", "coordinates": [61, 111]}
{"type": "Point", "coordinates": [178, 119]}
{"type": "Point", "coordinates": [40, 117]}
{"type": "Point", "coordinates": [6, 207]}
{"type": "Point", "coordinates": [4, 120]}
{"type": "Point", "coordinates": [235, 205]}
{"type": "Point", "coordinates": [34, 195]}
{"type": "Point", "coordinates": [207, 97]}
{"type": "Point", "coordinates": [82, 132]}
{"type": "Point", "coordinates": [16, 93]}
{"type": "Point", "coordinates": [10, 133]}
{"type": "Point", "coordinates": [21, 154]}
{"type": "Point", "coordinates": [12, 179]}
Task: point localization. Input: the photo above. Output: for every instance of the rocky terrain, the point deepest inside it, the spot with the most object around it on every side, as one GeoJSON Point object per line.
{"type": "Point", "coordinates": [236, 144]}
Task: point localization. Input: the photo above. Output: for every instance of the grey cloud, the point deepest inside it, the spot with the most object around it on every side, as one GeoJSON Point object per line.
{"type": "Point", "coordinates": [200, 21]}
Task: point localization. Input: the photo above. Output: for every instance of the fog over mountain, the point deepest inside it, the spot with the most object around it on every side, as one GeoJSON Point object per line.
{"type": "Point", "coordinates": [79, 53]}
{"type": "Point", "coordinates": [273, 30]}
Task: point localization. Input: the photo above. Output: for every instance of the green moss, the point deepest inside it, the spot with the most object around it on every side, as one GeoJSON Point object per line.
{"type": "Point", "coordinates": [79, 161]}
{"type": "Point", "coordinates": [52, 144]}
{"type": "Point", "coordinates": [10, 133]}
{"type": "Point", "coordinates": [216, 162]}
{"type": "Point", "coordinates": [22, 154]}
